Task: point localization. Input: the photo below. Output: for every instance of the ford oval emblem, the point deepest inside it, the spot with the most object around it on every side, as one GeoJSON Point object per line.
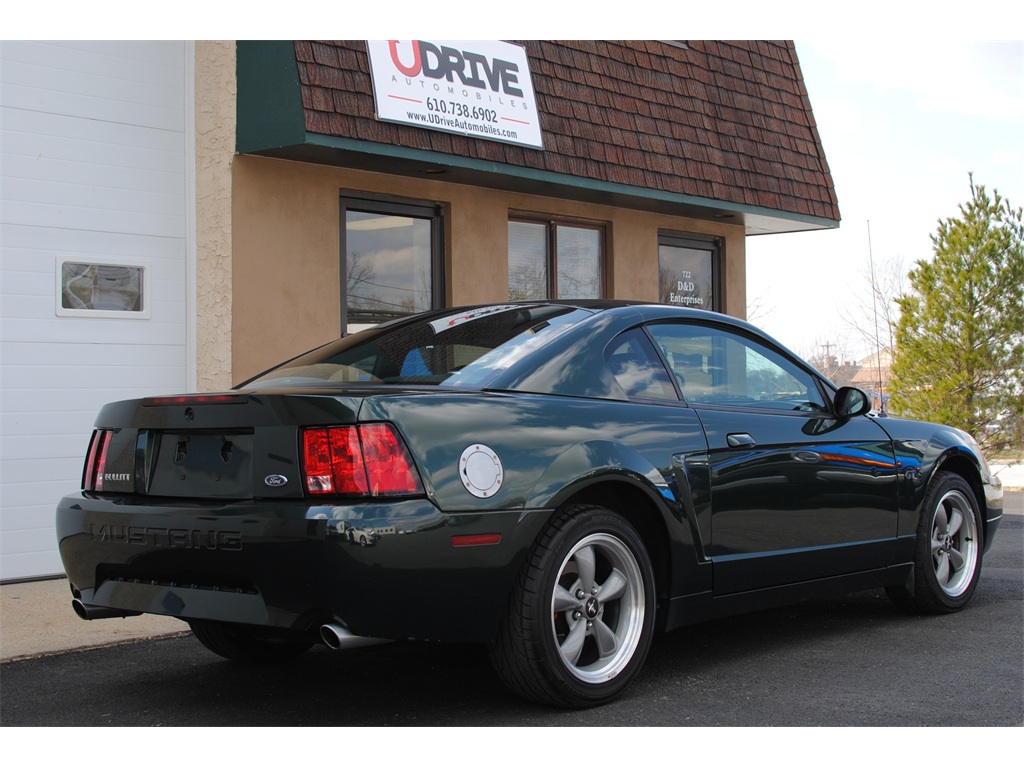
{"type": "Point", "coordinates": [275, 481]}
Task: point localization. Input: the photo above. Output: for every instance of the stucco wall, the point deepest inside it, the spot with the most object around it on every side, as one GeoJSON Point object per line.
{"type": "Point", "coordinates": [285, 235]}
{"type": "Point", "coordinates": [215, 150]}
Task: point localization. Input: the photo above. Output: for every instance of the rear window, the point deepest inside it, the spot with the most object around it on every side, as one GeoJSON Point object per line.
{"type": "Point", "coordinates": [465, 349]}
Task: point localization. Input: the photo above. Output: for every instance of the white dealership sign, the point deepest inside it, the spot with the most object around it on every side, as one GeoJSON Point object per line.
{"type": "Point", "coordinates": [476, 88]}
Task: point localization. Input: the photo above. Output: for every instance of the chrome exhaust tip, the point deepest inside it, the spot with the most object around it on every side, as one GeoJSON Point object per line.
{"type": "Point", "coordinates": [91, 612]}
{"type": "Point", "coordinates": [338, 638]}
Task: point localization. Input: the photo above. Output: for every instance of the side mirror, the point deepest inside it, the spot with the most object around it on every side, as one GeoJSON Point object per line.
{"type": "Point", "coordinates": [851, 402]}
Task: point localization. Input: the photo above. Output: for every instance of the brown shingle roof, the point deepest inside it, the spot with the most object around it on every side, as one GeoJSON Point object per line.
{"type": "Point", "coordinates": [725, 121]}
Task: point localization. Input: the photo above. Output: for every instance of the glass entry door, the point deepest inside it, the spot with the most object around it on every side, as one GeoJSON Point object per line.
{"type": "Point", "coordinates": [688, 271]}
{"type": "Point", "coordinates": [390, 261]}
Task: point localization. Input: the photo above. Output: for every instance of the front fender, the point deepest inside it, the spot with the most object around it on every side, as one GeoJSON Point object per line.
{"type": "Point", "coordinates": [924, 449]}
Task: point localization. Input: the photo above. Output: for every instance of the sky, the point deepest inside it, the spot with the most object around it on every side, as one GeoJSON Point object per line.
{"type": "Point", "coordinates": [903, 125]}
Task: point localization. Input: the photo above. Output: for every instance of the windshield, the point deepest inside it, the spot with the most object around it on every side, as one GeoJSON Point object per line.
{"type": "Point", "coordinates": [460, 349]}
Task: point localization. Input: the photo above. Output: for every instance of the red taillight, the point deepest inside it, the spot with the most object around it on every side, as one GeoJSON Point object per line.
{"type": "Point", "coordinates": [367, 459]}
{"type": "Point", "coordinates": [96, 461]}
{"type": "Point", "coordinates": [332, 461]}
{"type": "Point", "coordinates": [195, 400]}
{"type": "Point", "coordinates": [388, 466]}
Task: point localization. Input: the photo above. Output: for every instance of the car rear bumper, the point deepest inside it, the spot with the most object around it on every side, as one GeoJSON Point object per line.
{"type": "Point", "coordinates": [399, 569]}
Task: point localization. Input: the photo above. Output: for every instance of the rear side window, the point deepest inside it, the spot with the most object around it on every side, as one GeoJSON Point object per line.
{"type": "Point", "coordinates": [635, 364]}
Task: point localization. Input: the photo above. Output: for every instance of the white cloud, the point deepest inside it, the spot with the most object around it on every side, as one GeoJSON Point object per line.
{"type": "Point", "coordinates": [1005, 157]}
{"type": "Point", "coordinates": [981, 79]}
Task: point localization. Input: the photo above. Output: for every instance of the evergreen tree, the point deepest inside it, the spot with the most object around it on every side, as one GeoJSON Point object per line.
{"type": "Point", "coordinates": [959, 356]}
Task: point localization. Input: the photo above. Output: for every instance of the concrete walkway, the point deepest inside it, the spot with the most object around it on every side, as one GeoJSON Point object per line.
{"type": "Point", "coordinates": [36, 619]}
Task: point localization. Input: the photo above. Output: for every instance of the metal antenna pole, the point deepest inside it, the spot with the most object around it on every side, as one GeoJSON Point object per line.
{"type": "Point", "coordinates": [878, 344]}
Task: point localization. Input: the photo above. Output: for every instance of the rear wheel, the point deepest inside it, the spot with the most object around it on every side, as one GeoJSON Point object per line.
{"type": "Point", "coordinates": [580, 620]}
{"type": "Point", "coordinates": [245, 645]}
{"type": "Point", "coordinates": [948, 550]}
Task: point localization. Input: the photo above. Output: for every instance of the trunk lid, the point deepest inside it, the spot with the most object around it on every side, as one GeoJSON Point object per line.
{"type": "Point", "coordinates": [239, 445]}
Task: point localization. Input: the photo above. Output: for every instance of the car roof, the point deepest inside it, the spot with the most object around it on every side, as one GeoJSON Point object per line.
{"type": "Point", "coordinates": [647, 311]}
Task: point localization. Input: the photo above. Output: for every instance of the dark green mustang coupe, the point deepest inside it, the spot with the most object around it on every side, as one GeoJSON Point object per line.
{"type": "Point", "coordinates": [556, 480]}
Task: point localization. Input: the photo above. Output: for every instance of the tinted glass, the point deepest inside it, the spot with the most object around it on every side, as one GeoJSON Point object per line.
{"type": "Point", "coordinates": [464, 350]}
{"type": "Point", "coordinates": [637, 369]}
{"type": "Point", "coordinates": [716, 367]}
{"type": "Point", "coordinates": [579, 263]}
{"type": "Point", "coordinates": [387, 267]}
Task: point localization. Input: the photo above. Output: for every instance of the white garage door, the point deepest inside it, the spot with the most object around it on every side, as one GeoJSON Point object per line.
{"type": "Point", "coordinates": [96, 189]}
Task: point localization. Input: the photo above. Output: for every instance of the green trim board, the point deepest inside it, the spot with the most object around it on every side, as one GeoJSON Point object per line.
{"type": "Point", "coordinates": [269, 100]}
{"type": "Point", "coordinates": [516, 176]}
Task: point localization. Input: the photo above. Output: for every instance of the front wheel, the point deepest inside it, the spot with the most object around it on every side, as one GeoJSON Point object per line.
{"type": "Point", "coordinates": [948, 549]}
{"type": "Point", "coordinates": [580, 620]}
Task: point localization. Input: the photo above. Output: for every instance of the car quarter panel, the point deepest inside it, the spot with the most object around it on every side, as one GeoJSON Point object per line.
{"type": "Point", "coordinates": [552, 449]}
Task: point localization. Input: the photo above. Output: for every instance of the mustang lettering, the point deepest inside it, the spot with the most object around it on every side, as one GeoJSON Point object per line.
{"type": "Point", "coordinates": [167, 537]}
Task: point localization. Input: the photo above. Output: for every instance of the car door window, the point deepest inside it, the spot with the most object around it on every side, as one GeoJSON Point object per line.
{"type": "Point", "coordinates": [717, 367]}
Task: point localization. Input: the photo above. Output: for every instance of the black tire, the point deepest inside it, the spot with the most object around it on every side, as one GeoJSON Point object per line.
{"type": "Point", "coordinates": [948, 549]}
{"type": "Point", "coordinates": [580, 619]}
{"type": "Point", "coordinates": [243, 644]}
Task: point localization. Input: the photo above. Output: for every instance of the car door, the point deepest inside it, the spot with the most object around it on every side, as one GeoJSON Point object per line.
{"type": "Point", "coordinates": [796, 493]}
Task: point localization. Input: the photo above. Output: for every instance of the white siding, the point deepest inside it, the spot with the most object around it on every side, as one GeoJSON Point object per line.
{"type": "Point", "coordinates": [94, 167]}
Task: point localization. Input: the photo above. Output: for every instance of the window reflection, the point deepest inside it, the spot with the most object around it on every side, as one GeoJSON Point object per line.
{"type": "Point", "coordinates": [388, 267]}
{"type": "Point", "coordinates": [552, 260]}
{"type": "Point", "coordinates": [720, 368]}
{"type": "Point", "coordinates": [101, 287]}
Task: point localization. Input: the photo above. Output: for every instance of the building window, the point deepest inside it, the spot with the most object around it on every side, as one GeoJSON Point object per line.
{"type": "Point", "coordinates": [689, 270]}
{"type": "Point", "coordinates": [101, 289]}
{"type": "Point", "coordinates": [391, 261]}
{"type": "Point", "coordinates": [555, 260]}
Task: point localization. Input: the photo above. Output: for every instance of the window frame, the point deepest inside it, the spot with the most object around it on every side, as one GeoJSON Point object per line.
{"type": "Point", "coordinates": [551, 225]}
{"type": "Point", "coordinates": [145, 288]}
